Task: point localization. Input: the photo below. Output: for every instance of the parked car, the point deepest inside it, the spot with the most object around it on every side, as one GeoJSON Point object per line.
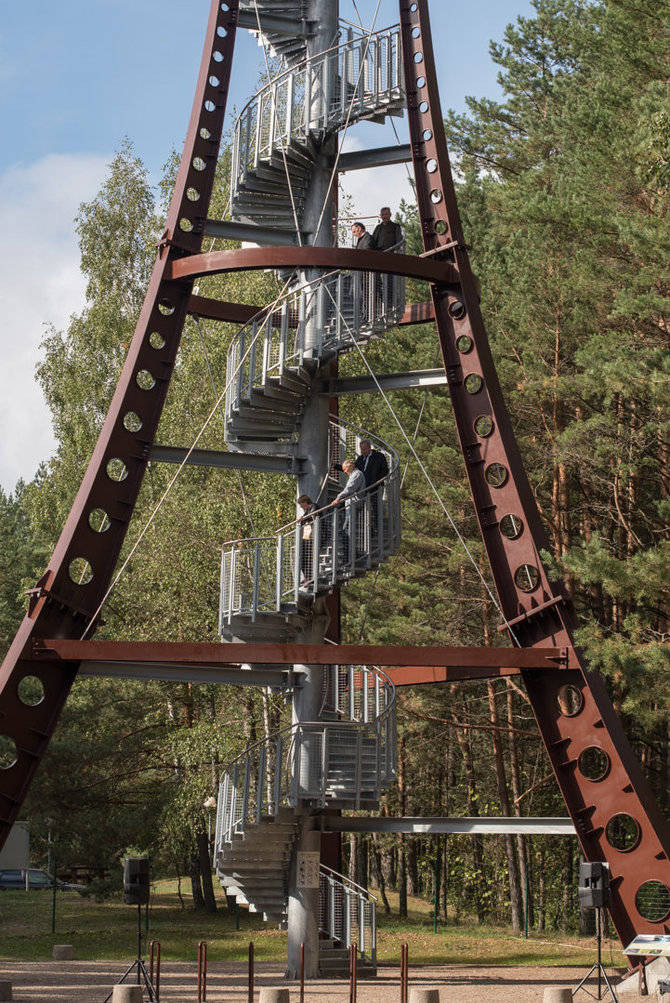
{"type": "Point", "coordinates": [37, 878]}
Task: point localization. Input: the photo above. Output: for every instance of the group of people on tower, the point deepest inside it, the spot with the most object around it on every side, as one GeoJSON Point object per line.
{"type": "Point", "coordinates": [368, 470]}
{"type": "Point", "coordinates": [385, 235]}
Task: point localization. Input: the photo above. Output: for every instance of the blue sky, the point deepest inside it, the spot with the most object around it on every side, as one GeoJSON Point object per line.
{"type": "Point", "coordinates": [78, 76]}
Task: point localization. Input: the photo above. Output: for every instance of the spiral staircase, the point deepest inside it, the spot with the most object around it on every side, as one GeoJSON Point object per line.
{"type": "Point", "coordinates": [271, 587]}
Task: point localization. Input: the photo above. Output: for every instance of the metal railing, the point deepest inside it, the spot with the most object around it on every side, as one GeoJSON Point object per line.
{"type": "Point", "coordinates": [359, 78]}
{"type": "Point", "coordinates": [347, 913]}
{"type": "Point", "coordinates": [263, 575]}
{"type": "Point", "coordinates": [348, 759]}
{"type": "Point", "coordinates": [328, 315]}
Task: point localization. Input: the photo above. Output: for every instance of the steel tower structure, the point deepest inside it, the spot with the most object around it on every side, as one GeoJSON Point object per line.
{"type": "Point", "coordinates": [277, 412]}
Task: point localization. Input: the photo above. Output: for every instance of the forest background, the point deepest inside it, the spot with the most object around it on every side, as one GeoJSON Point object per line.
{"type": "Point", "coordinates": [564, 190]}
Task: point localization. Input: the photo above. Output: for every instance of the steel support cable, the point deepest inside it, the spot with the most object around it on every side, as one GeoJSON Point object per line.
{"type": "Point", "coordinates": [177, 473]}
{"type": "Point", "coordinates": [429, 481]}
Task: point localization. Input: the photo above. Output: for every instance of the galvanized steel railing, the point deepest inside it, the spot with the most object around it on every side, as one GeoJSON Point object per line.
{"type": "Point", "coordinates": [347, 759]}
{"type": "Point", "coordinates": [347, 913]}
{"type": "Point", "coordinates": [264, 575]}
{"type": "Point", "coordinates": [360, 78]}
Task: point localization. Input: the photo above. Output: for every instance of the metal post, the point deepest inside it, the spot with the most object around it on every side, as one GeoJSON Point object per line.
{"type": "Point", "coordinates": [251, 972]}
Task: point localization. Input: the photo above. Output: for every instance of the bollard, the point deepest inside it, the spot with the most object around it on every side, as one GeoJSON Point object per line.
{"type": "Point", "coordinates": [63, 952]}
{"type": "Point", "coordinates": [557, 994]}
{"type": "Point", "coordinates": [424, 996]}
{"type": "Point", "coordinates": [274, 995]}
{"type": "Point", "coordinates": [155, 966]}
{"type": "Point", "coordinates": [251, 972]}
{"type": "Point", "coordinates": [127, 994]}
{"type": "Point", "coordinates": [202, 971]}
{"type": "Point", "coordinates": [353, 988]}
{"type": "Point", "coordinates": [404, 971]}
{"type": "Point", "coordinates": [302, 972]}
{"type": "Point", "coordinates": [5, 991]}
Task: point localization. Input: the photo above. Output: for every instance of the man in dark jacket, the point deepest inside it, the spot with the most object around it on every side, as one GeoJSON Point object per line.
{"type": "Point", "coordinates": [371, 463]}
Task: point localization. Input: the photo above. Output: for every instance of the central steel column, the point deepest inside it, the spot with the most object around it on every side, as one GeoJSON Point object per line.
{"type": "Point", "coordinates": [303, 901]}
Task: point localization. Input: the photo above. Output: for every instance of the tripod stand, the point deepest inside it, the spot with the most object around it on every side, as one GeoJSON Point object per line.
{"type": "Point", "coordinates": [598, 967]}
{"type": "Point", "coordinates": [138, 965]}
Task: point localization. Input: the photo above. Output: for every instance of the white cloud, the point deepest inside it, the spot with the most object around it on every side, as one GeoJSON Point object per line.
{"type": "Point", "coordinates": [40, 284]}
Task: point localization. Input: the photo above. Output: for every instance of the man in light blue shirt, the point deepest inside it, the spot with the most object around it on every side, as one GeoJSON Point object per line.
{"type": "Point", "coordinates": [354, 486]}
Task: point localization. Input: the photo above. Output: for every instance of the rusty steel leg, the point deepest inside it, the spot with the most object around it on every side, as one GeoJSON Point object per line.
{"type": "Point", "coordinates": [605, 792]}
{"type": "Point", "coordinates": [67, 599]}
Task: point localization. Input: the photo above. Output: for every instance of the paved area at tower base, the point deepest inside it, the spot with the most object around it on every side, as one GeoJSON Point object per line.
{"type": "Point", "coordinates": [92, 981]}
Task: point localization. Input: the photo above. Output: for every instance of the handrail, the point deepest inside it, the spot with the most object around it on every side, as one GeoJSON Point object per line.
{"type": "Point", "coordinates": [347, 913]}
{"type": "Point", "coordinates": [348, 881]}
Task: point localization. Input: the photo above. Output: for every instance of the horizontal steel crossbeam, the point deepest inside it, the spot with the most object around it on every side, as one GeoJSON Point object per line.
{"type": "Point", "coordinates": [433, 826]}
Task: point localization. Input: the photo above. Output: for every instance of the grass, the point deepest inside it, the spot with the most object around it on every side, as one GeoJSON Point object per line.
{"type": "Point", "coordinates": [108, 931]}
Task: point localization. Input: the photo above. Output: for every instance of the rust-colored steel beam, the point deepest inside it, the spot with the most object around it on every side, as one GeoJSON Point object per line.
{"type": "Point", "coordinates": [614, 812]}
{"type": "Point", "coordinates": [67, 599]}
{"type": "Point", "coordinates": [264, 653]}
{"type": "Point", "coordinates": [233, 313]}
{"type": "Point", "coordinates": [331, 258]}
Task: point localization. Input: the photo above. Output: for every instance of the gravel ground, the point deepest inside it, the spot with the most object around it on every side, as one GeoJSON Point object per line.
{"type": "Point", "coordinates": [74, 981]}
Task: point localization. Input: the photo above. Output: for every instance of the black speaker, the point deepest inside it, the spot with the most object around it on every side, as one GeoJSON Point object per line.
{"type": "Point", "coordinates": [136, 880]}
{"type": "Point", "coordinates": [594, 885]}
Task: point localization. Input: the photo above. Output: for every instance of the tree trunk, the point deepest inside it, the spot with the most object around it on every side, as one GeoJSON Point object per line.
{"type": "Point", "coordinates": [206, 873]}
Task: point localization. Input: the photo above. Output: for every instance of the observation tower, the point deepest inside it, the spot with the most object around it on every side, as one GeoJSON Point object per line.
{"type": "Point", "coordinates": [275, 846]}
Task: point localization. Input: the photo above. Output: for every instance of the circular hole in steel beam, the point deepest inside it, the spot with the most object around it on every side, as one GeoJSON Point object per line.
{"type": "Point", "coordinates": [145, 380]}
{"type": "Point", "coordinates": [496, 475]}
{"type": "Point", "coordinates": [80, 571]}
{"type": "Point", "coordinates": [464, 343]}
{"type": "Point", "coordinates": [199, 164]}
{"type": "Point", "coordinates": [420, 82]}
{"type": "Point", "coordinates": [527, 577]}
{"type": "Point", "coordinates": [156, 340]}
{"type": "Point", "coordinates": [98, 520]}
{"type": "Point", "coordinates": [166, 308]}
{"type": "Point", "coordinates": [622, 832]}
{"type": "Point", "coordinates": [484, 425]}
{"type": "Point", "coordinates": [8, 752]}
{"type": "Point", "coordinates": [457, 309]}
{"type": "Point", "coordinates": [426, 135]}
{"type": "Point", "coordinates": [192, 194]}
{"type": "Point", "coordinates": [423, 107]}
{"type": "Point", "coordinates": [593, 763]}
{"type": "Point", "coordinates": [431, 165]}
{"type": "Point", "coordinates": [418, 57]}
{"type": "Point", "coordinates": [186, 225]}
{"type": "Point", "coordinates": [116, 469]}
{"type": "Point", "coordinates": [30, 691]}
{"type": "Point", "coordinates": [132, 422]}
{"type": "Point", "coordinates": [473, 383]}
{"type": "Point", "coordinates": [652, 901]}
{"type": "Point", "coordinates": [511, 526]}
{"type": "Point", "coordinates": [570, 700]}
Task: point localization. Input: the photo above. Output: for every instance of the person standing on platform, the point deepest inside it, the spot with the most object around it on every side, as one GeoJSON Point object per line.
{"type": "Point", "coordinates": [386, 234]}
{"type": "Point", "coordinates": [355, 486]}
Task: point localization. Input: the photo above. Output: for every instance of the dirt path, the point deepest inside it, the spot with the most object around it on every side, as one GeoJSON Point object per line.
{"type": "Point", "coordinates": [74, 981]}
